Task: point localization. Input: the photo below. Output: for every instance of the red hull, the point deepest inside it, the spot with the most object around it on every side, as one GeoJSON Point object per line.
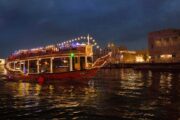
{"type": "Point", "coordinates": [82, 75]}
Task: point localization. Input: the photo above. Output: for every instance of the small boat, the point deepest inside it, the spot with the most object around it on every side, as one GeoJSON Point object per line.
{"type": "Point", "coordinates": [65, 61]}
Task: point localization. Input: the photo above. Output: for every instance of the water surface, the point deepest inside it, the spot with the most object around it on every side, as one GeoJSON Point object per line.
{"type": "Point", "coordinates": [112, 94]}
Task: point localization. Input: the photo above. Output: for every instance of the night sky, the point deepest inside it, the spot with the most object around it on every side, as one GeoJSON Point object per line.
{"type": "Point", "coordinates": [33, 23]}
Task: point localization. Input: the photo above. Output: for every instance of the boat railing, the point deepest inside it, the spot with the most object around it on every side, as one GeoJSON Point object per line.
{"type": "Point", "coordinates": [13, 70]}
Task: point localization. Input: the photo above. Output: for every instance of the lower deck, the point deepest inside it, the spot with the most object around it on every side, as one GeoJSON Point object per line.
{"type": "Point", "coordinates": [51, 65]}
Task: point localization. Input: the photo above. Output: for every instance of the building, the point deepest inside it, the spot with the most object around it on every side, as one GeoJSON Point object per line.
{"type": "Point", "coordinates": [120, 54]}
{"type": "Point", "coordinates": [142, 56]}
{"type": "Point", "coordinates": [164, 45]}
{"type": "Point", "coordinates": [116, 54]}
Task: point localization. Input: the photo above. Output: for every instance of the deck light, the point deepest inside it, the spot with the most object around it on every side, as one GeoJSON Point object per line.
{"type": "Point", "coordinates": [72, 54]}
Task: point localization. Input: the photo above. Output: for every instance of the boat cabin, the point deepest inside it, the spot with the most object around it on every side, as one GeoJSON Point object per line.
{"type": "Point", "coordinates": [54, 60]}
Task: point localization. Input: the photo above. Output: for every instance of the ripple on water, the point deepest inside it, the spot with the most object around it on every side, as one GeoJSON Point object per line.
{"type": "Point", "coordinates": [112, 94]}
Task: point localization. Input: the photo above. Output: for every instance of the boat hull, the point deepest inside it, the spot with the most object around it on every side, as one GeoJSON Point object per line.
{"type": "Point", "coordinates": [81, 76]}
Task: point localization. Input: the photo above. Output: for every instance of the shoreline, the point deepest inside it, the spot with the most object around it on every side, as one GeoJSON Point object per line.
{"type": "Point", "coordinates": [145, 66]}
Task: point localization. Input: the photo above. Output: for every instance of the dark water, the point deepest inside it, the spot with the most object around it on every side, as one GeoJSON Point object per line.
{"type": "Point", "coordinates": [112, 94]}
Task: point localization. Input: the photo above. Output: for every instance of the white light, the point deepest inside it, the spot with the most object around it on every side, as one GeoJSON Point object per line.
{"type": "Point", "coordinates": [139, 59]}
{"type": "Point", "coordinates": [166, 56]}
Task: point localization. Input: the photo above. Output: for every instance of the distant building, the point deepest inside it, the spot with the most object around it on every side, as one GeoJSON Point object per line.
{"type": "Point", "coordinates": [164, 45]}
{"type": "Point", "coordinates": [120, 54]}
{"type": "Point", "coordinates": [142, 55]}
{"type": "Point", "coordinates": [116, 54]}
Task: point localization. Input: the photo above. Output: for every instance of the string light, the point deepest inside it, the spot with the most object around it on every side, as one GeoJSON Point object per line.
{"type": "Point", "coordinates": [62, 45]}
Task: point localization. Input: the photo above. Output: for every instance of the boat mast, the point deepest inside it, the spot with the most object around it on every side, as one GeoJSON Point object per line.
{"type": "Point", "coordinates": [88, 38]}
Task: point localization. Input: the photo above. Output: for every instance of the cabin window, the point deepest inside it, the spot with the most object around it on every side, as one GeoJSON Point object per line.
{"type": "Point", "coordinates": [82, 63]}
{"type": "Point", "coordinates": [61, 65]}
{"type": "Point", "coordinates": [25, 70]}
{"type": "Point", "coordinates": [89, 62]}
{"type": "Point", "coordinates": [44, 66]}
{"type": "Point", "coordinates": [76, 63]}
{"type": "Point", "coordinates": [12, 65]}
{"type": "Point", "coordinates": [22, 66]}
{"type": "Point", "coordinates": [89, 59]}
{"type": "Point", "coordinates": [17, 66]}
{"type": "Point", "coordinates": [33, 66]}
{"type": "Point", "coordinates": [76, 60]}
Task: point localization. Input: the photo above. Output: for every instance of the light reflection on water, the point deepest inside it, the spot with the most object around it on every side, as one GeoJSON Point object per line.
{"type": "Point", "coordinates": [112, 94]}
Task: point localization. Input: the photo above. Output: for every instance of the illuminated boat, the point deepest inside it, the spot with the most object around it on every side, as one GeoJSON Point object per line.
{"type": "Point", "coordinates": [69, 60]}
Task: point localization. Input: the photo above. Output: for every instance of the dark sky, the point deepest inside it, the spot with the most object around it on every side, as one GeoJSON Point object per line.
{"type": "Point", "coordinates": [33, 23]}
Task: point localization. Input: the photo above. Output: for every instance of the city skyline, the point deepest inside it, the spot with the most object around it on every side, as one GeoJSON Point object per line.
{"type": "Point", "coordinates": [28, 24]}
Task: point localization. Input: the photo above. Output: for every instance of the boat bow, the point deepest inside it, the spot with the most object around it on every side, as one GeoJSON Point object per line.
{"type": "Point", "coordinates": [100, 62]}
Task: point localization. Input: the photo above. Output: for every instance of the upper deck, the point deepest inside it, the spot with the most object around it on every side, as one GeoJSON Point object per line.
{"type": "Point", "coordinates": [52, 51]}
{"type": "Point", "coordinates": [81, 46]}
